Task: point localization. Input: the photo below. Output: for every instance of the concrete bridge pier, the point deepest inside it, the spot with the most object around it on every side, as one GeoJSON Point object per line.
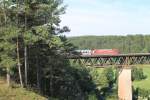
{"type": "Point", "coordinates": [125, 84]}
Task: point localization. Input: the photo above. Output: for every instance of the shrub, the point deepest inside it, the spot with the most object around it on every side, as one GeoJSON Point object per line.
{"type": "Point", "coordinates": [140, 93]}
{"type": "Point", "coordinates": [138, 74]}
{"type": "Point", "coordinates": [92, 96]}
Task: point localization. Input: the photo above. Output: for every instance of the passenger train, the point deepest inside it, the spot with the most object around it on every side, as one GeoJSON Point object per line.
{"type": "Point", "coordinates": [97, 52]}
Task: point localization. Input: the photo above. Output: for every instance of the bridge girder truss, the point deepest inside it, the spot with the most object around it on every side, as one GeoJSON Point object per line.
{"type": "Point", "coordinates": [124, 60]}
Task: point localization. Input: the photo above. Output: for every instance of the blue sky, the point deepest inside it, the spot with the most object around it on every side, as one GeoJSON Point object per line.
{"type": "Point", "coordinates": [107, 17]}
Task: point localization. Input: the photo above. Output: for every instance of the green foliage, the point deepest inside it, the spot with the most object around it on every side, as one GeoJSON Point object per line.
{"type": "Point", "coordinates": [92, 96]}
{"type": "Point", "coordinates": [109, 73]}
{"type": "Point", "coordinates": [35, 24]}
{"type": "Point", "coordinates": [125, 44]}
{"type": "Point", "coordinates": [144, 84]}
{"type": "Point", "coordinates": [7, 47]}
{"type": "Point", "coordinates": [140, 93]}
{"type": "Point", "coordinates": [101, 79]}
{"type": "Point", "coordinates": [104, 80]}
{"type": "Point", "coordinates": [113, 95]}
{"type": "Point", "coordinates": [95, 75]}
{"type": "Point", "coordinates": [138, 74]}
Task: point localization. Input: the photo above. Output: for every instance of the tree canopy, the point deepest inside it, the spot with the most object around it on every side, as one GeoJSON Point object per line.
{"type": "Point", "coordinates": [125, 44]}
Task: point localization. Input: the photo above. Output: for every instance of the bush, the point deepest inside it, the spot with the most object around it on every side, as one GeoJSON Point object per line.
{"type": "Point", "coordinates": [92, 96]}
{"type": "Point", "coordinates": [140, 93]}
{"type": "Point", "coordinates": [138, 74]}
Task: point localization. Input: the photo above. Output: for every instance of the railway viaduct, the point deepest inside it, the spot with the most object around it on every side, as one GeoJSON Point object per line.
{"type": "Point", "coordinates": [122, 61]}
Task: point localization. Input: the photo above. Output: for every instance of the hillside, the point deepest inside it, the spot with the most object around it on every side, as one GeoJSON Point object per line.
{"type": "Point", "coordinates": [17, 93]}
{"type": "Point", "coordinates": [125, 44]}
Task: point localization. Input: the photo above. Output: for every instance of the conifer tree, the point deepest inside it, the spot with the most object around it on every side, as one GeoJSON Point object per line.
{"type": "Point", "coordinates": [36, 22]}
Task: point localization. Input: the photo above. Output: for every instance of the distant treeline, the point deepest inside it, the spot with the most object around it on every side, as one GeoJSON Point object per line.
{"type": "Point", "coordinates": [125, 44]}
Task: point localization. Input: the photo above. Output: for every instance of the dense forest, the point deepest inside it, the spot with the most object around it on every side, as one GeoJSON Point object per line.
{"type": "Point", "coordinates": [125, 44]}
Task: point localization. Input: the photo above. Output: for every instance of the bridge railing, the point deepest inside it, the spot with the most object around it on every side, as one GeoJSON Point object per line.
{"type": "Point", "coordinates": [107, 60]}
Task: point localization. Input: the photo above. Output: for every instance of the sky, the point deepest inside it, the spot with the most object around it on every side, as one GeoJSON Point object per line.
{"type": "Point", "coordinates": [107, 17]}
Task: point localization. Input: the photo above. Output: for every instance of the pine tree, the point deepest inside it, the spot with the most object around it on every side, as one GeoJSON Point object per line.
{"type": "Point", "coordinates": [7, 50]}
{"type": "Point", "coordinates": [36, 23]}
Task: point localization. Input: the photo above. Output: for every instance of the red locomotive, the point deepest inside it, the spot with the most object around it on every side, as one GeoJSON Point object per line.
{"type": "Point", "coordinates": [105, 52]}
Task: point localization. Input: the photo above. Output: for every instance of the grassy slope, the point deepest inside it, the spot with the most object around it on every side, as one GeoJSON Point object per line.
{"type": "Point", "coordinates": [17, 93]}
{"type": "Point", "coordinates": [145, 84]}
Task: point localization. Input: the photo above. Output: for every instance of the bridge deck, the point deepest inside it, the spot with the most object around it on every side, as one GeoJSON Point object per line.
{"type": "Point", "coordinates": [107, 56]}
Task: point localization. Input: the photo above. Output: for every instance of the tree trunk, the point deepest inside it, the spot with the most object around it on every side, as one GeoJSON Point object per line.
{"type": "Point", "coordinates": [18, 63]}
{"type": "Point", "coordinates": [25, 64]}
{"type": "Point", "coordinates": [38, 74]}
{"type": "Point", "coordinates": [51, 80]}
{"type": "Point", "coordinates": [8, 77]}
{"type": "Point", "coordinates": [5, 16]}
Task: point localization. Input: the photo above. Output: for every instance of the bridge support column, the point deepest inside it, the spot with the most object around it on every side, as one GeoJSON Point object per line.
{"type": "Point", "coordinates": [125, 85]}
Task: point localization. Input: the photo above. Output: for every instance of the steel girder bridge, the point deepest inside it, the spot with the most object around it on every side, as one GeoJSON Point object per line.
{"type": "Point", "coordinates": [121, 61]}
